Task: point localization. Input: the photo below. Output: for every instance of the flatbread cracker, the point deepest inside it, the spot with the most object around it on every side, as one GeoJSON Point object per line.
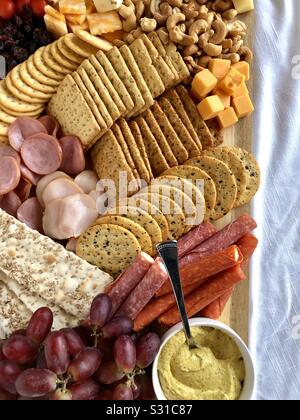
{"type": "Point", "coordinates": [110, 247]}
{"type": "Point", "coordinates": [136, 132]}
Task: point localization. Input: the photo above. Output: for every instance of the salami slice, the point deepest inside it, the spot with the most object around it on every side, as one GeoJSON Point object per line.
{"type": "Point", "coordinates": [73, 161]}
{"type": "Point", "coordinates": [42, 184]}
{"type": "Point", "coordinates": [51, 125]}
{"type": "Point", "coordinates": [10, 203]}
{"type": "Point", "coordinates": [195, 237]}
{"type": "Point", "coordinates": [21, 129]}
{"type": "Point", "coordinates": [10, 174]}
{"type": "Point", "coordinates": [60, 188]}
{"type": "Point", "coordinates": [247, 245]}
{"type": "Point", "coordinates": [122, 287]}
{"type": "Point", "coordinates": [31, 213]}
{"type": "Point", "coordinates": [23, 190]}
{"type": "Point", "coordinates": [153, 280]}
{"type": "Point", "coordinates": [29, 175]}
{"type": "Point", "coordinates": [87, 180]}
{"type": "Point", "coordinates": [9, 151]}
{"type": "Point", "coordinates": [41, 153]}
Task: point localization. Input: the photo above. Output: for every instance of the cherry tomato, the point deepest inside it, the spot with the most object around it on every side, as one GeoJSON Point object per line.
{"type": "Point", "coordinates": [7, 9]}
{"type": "Point", "coordinates": [20, 4]}
{"type": "Point", "coordinates": [38, 7]}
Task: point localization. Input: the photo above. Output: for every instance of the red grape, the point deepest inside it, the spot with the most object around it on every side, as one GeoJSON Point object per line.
{"type": "Point", "coordinates": [7, 9]}
{"type": "Point", "coordinates": [100, 310]}
{"type": "Point", "coordinates": [136, 389]}
{"type": "Point", "coordinates": [9, 372]}
{"type": "Point", "coordinates": [19, 332]}
{"type": "Point", "coordinates": [2, 357]}
{"type": "Point", "coordinates": [125, 353]}
{"type": "Point", "coordinates": [106, 395]}
{"type": "Point", "coordinates": [122, 392]}
{"type": "Point", "coordinates": [146, 349]}
{"type": "Point", "coordinates": [6, 396]}
{"type": "Point", "coordinates": [61, 395]}
{"type": "Point", "coordinates": [85, 364]}
{"type": "Point", "coordinates": [106, 347]}
{"type": "Point", "coordinates": [38, 7]}
{"type": "Point", "coordinates": [35, 383]}
{"type": "Point", "coordinates": [56, 353]}
{"type": "Point", "coordinates": [40, 325]}
{"type": "Point", "coordinates": [19, 349]}
{"type": "Point", "coordinates": [146, 387]}
{"type": "Point", "coordinates": [109, 373]}
{"type": "Point", "coordinates": [41, 361]}
{"type": "Point", "coordinates": [86, 391]}
{"type": "Point", "coordinates": [117, 326]}
{"type": "Point", "coordinates": [20, 4]}
{"type": "Point", "coordinates": [74, 341]}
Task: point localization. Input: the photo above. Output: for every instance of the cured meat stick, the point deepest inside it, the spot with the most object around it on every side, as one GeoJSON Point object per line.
{"type": "Point", "coordinates": [205, 267]}
{"type": "Point", "coordinates": [247, 245]}
{"type": "Point", "coordinates": [204, 295]}
{"type": "Point", "coordinates": [127, 281]}
{"type": "Point", "coordinates": [195, 237]}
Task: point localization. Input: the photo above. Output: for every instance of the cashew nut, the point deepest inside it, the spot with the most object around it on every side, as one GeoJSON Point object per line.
{"type": "Point", "coordinates": [148, 25]}
{"type": "Point", "coordinates": [233, 57]}
{"type": "Point", "coordinates": [139, 9]}
{"type": "Point", "coordinates": [175, 33]}
{"type": "Point", "coordinates": [227, 43]}
{"type": "Point", "coordinates": [127, 9]}
{"type": "Point", "coordinates": [210, 49]}
{"type": "Point", "coordinates": [189, 11]}
{"type": "Point", "coordinates": [229, 14]}
{"type": "Point", "coordinates": [197, 28]}
{"type": "Point", "coordinates": [237, 27]}
{"type": "Point", "coordinates": [175, 3]}
{"type": "Point", "coordinates": [236, 46]}
{"type": "Point", "coordinates": [160, 11]}
{"type": "Point", "coordinates": [204, 60]}
{"type": "Point", "coordinates": [220, 29]}
{"type": "Point", "coordinates": [245, 54]}
{"type": "Point", "coordinates": [222, 5]}
{"type": "Point", "coordinates": [130, 23]}
{"type": "Point", "coordinates": [190, 50]}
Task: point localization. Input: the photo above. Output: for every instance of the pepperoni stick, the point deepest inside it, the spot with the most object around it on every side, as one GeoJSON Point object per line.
{"type": "Point", "coordinates": [195, 237]}
{"type": "Point", "coordinates": [198, 271]}
{"type": "Point", "coordinates": [204, 295]}
{"type": "Point", "coordinates": [215, 309]}
{"type": "Point", "coordinates": [121, 288]}
{"type": "Point", "coordinates": [247, 245]}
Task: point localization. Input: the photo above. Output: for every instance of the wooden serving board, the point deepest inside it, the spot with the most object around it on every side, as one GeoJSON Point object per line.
{"type": "Point", "coordinates": [236, 313]}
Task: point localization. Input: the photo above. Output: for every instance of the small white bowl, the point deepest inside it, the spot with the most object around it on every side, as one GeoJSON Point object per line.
{"type": "Point", "coordinates": [249, 382]}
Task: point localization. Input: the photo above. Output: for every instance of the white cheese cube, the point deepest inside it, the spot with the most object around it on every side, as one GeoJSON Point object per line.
{"type": "Point", "coordinates": [243, 6]}
{"type": "Point", "coordinates": [107, 5]}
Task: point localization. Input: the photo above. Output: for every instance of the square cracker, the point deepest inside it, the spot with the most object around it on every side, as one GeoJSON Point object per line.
{"type": "Point", "coordinates": [74, 115]}
{"type": "Point", "coordinates": [115, 80]}
{"type": "Point", "coordinates": [135, 71]}
{"type": "Point", "coordinates": [175, 144]}
{"type": "Point", "coordinates": [156, 158]}
{"type": "Point", "coordinates": [160, 138]}
{"type": "Point", "coordinates": [89, 71]}
{"type": "Point", "coordinates": [116, 129]}
{"type": "Point", "coordinates": [103, 122]}
{"type": "Point", "coordinates": [178, 62]}
{"type": "Point", "coordinates": [107, 83]}
{"type": "Point", "coordinates": [127, 78]}
{"type": "Point", "coordinates": [147, 69]}
{"type": "Point", "coordinates": [181, 131]}
{"type": "Point", "coordinates": [136, 132]}
{"type": "Point", "coordinates": [193, 114]}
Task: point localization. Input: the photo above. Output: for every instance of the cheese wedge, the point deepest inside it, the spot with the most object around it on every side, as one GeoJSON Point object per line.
{"type": "Point", "coordinates": [54, 13]}
{"type": "Point", "coordinates": [75, 7]}
{"type": "Point", "coordinates": [107, 5]}
{"type": "Point", "coordinates": [56, 26]}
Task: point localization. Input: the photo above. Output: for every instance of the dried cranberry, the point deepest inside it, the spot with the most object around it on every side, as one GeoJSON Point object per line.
{"type": "Point", "coordinates": [45, 38]}
{"type": "Point", "coordinates": [30, 46]}
{"type": "Point", "coordinates": [27, 15]}
{"type": "Point", "coordinates": [8, 44]}
{"type": "Point", "coordinates": [18, 21]}
{"type": "Point", "coordinates": [20, 54]}
{"type": "Point", "coordinates": [10, 30]}
{"type": "Point", "coordinates": [27, 28]}
{"type": "Point", "coordinates": [1, 46]}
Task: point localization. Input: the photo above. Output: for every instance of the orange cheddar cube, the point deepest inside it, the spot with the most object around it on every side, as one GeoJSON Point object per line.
{"type": "Point", "coordinates": [242, 90]}
{"type": "Point", "coordinates": [224, 98]}
{"type": "Point", "coordinates": [231, 81]}
{"type": "Point", "coordinates": [210, 107]}
{"type": "Point", "coordinates": [227, 118]}
{"type": "Point", "coordinates": [219, 68]}
{"type": "Point", "coordinates": [243, 67]}
{"type": "Point", "coordinates": [204, 82]}
{"type": "Point", "coordinates": [242, 106]}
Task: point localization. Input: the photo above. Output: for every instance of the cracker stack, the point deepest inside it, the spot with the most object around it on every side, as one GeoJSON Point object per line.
{"type": "Point", "coordinates": [29, 86]}
{"type": "Point", "coordinates": [121, 82]}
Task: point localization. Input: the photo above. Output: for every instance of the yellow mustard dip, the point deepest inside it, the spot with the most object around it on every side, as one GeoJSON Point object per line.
{"type": "Point", "coordinates": [215, 371]}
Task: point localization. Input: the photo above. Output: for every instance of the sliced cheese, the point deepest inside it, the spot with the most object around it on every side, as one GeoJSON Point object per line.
{"type": "Point", "coordinates": [243, 6]}
{"type": "Point", "coordinates": [90, 7]}
{"type": "Point", "coordinates": [54, 13]}
{"type": "Point", "coordinates": [83, 27]}
{"type": "Point", "coordinates": [107, 5]}
{"type": "Point", "coordinates": [75, 7]}
{"type": "Point", "coordinates": [76, 19]}
{"type": "Point", "coordinates": [103, 23]}
{"type": "Point", "coordinates": [57, 27]}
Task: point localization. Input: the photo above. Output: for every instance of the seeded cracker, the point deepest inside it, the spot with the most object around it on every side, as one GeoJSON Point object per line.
{"type": "Point", "coordinates": [10, 102]}
{"type": "Point", "coordinates": [18, 82]}
{"type": "Point", "coordinates": [52, 63]}
{"type": "Point", "coordinates": [78, 46]}
{"type": "Point", "coordinates": [43, 67]}
{"type": "Point", "coordinates": [5, 117]}
{"type": "Point", "coordinates": [116, 129]}
{"type": "Point", "coordinates": [61, 59]}
{"type": "Point", "coordinates": [67, 52]}
{"type": "Point", "coordinates": [136, 132]}
{"type": "Point", "coordinates": [38, 75]}
{"type": "Point", "coordinates": [34, 82]}
{"type": "Point", "coordinates": [13, 90]}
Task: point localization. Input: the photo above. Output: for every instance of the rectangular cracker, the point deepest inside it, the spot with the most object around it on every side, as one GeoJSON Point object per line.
{"type": "Point", "coordinates": [147, 69]}
{"type": "Point", "coordinates": [181, 131]}
{"type": "Point", "coordinates": [177, 104]}
{"type": "Point", "coordinates": [178, 62]}
{"type": "Point", "coordinates": [74, 115]}
{"type": "Point", "coordinates": [116, 129]}
{"type": "Point", "coordinates": [193, 114]}
{"type": "Point", "coordinates": [134, 150]}
{"type": "Point", "coordinates": [107, 83]}
{"type": "Point", "coordinates": [115, 81]}
{"type": "Point", "coordinates": [127, 78]}
{"type": "Point", "coordinates": [156, 158]}
{"type": "Point", "coordinates": [100, 116]}
{"type": "Point", "coordinates": [160, 138]}
{"type": "Point", "coordinates": [135, 71]}
{"type": "Point", "coordinates": [154, 38]}
{"type": "Point", "coordinates": [175, 144]}
{"type": "Point", "coordinates": [136, 132]}
{"type": "Point", "coordinates": [89, 71]}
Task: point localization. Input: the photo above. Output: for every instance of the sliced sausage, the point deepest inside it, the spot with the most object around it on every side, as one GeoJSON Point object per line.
{"type": "Point", "coordinates": [23, 190]}
{"type": "Point", "coordinates": [73, 157]}
{"type": "Point", "coordinates": [9, 151]}
{"type": "Point", "coordinates": [60, 188]}
{"type": "Point", "coordinates": [87, 180]}
{"type": "Point", "coordinates": [31, 213]}
{"type": "Point", "coordinates": [21, 129]}
{"type": "Point", "coordinates": [10, 203]}
{"type": "Point", "coordinates": [29, 175]}
{"type": "Point", "coordinates": [51, 124]}
{"type": "Point", "coordinates": [42, 184]}
{"type": "Point", "coordinates": [10, 174]}
{"type": "Point", "coordinates": [195, 237]}
{"type": "Point", "coordinates": [41, 153]}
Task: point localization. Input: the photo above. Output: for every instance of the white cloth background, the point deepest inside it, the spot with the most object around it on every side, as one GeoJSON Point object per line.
{"type": "Point", "coordinates": [275, 283]}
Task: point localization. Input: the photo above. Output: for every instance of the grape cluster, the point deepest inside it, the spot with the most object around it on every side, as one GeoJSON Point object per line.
{"type": "Point", "coordinates": [103, 359]}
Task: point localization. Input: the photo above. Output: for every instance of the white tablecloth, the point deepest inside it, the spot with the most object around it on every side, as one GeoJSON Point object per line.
{"type": "Point", "coordinates": [275, 283]}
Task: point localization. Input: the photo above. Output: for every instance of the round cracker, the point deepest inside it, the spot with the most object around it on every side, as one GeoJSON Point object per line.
{"type": "Point", "coordinates": [10, 102]}
{"type": "Point", "coordinates": [143, 219]}
{"type": "Point", "coordinates": [33, 83]}
{"type": "Point", "coordinates": [194, 175]}
{"type": "Point", "coordinates": [21, 95]}
{"type": "Point", "coordinates": [110, 247]}
{"type": "Point", "coordinates": [4, 140]}
{"type": "Point", "coordinates": [51, 61]}
{"type": "Point", "coordinates": [78, 46]}
{"type": "Point", "coordinates": [43, 67]}
{"type": "Point", "coordinates": [3, 129]}
{"type": "Point", "coordinates": [36, 74]}
{"type": "Point", "coordinates": [61, 59]}
{"type": "Point", "coordinates": [138, 231]}
{"type": "Point", "coordinates": [6, 117]}
{"type": "Point", "coordinates": [17, 114]}
{"type": "Point", "coordinates": [235, 165]}
{"type": "Point", "coordinates": [224, 182]}
{"type": "Point", "coordinates": [18, 82]}
{"type": "Point", "coordinates": [67, 52]}
{"type": "Point", "coordinates": [172, 212]}
{"type": "Point", "coordinates": [253, 170]}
